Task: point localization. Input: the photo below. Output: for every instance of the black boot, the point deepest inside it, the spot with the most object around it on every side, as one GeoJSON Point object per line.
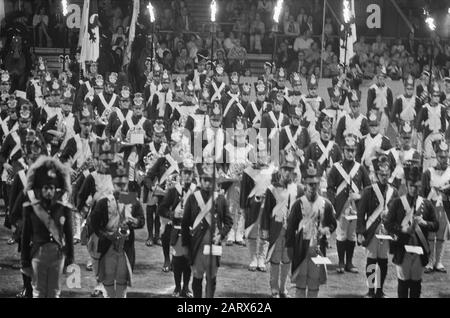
{"type": "Point", "coordinates": [211, 281]}
{"type": "Point", "coordinates": [185, 292]}
{"type": "Point", "coordinates": [403, 288]}
{"type": "Point", "coordinates": [349, 249]}
{"type": "Point", "coordinates": [197, 287]}
{"type": "Point", "coordinates": [370, 275]}
{"type": "Point", "coordinates": [177, 272]}
{"type": "Point", "coordinates": [165, 240]}
{"type": "Point", "coordinates": [416, 288]}
{"type": "Point", "coordinates": [383, 265]}
{"type": "Point", "coordinates": [340, 245]}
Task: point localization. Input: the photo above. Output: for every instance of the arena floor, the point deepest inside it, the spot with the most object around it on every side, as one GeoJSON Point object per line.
{"type": "Point", "coordinates": [234, 280]}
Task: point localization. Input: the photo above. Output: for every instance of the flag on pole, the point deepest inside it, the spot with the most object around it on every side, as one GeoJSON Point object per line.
{"type": "Point", "coordinates": [83, 22]}
{"type": "Point", "coordinates": [349, 15]}
{"type": "Point", "coordinates": [132, 33]}
{"type": "Point", "coordinates": [90, 46]}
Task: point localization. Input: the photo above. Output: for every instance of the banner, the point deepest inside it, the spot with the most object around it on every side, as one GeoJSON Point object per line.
{"type": "Point", "coordinates": [132, 32]}
{"type": "Point", "coordinates": [90, 47]}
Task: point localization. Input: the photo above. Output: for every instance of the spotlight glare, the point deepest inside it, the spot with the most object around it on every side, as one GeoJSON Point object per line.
{"type": "Point", "coordinates": [277, 11]}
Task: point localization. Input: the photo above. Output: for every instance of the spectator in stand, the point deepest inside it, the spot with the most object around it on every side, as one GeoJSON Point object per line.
{"type": "Point", "coordinates": [236, 51]}
{"type": "Point", "coordinates": [186, 23]}
{"type": "Point", "coordinates": [231, 7]}
{"type": "Point", "coordinates": [309, 25]}
{"type": "Point", "coordinates": [257, 30]}
{"type": "Point", "coordinates": [411, 67]}
{"type": "Point", "coordinates": [177, 51]}
{"type": "Point", "coordinates": [220, 39]}
{"type": "Point", "coordinates": [282, 58]}
{"type": "Point", "coordinates": [421, 57]}
{"type": "Point", "coordinates": [328, 54]}
{"type": "Point", "coordinates": [192, 48]}
{"type": "Point", "coordinates": [167, 61]}
{"type": "Point", "coordinates": [303, 42]}
{"type": "Point", "coordinates": [332, 69]}
{"type": "Point", "coordinates": [379, 46]}
{"type": "Point", "coordinates": [229, 42]}
{"type": "Point", "coordinates": [116, 20]}
{"type": "Point", "coordinates": [385, 59]}
{"type": "Point", "coordinates": [394, 70]}
{"type": "Point", "coordinates": [167, 23]}
{"type": "Point", "coordinates": [119, 38]}
{"type": "Point", "coordinates": [161, 47]}
{"type": "Point", "coordinates": [182, 61]}
{"type": "Point", "coordinates": [301, 19]}
{"type": "Point", "coordinates": [40, 25]}
{"type": "Point", "coordinates": [313, 54]}
{"type": "Point", "coordinates": [398, 47]}
{"type": "Point", "coordinates": [369, 70]}
{"type": "Point", "coordinates": [361, 47]}
{"type": "Point", "coordinates": [265, 8]}
{"type": "Point", "coordinates": [304, 72]}
{"type": "Point", "coordinates": [241, 25]}
{"type": "Point", "coordinates": [241, 65]}
{"type": "Point", "coordinates": [291, 28]}
{"type": "Point", "coordinates": [329, 28]}
{"type": "Point", "coordinates": [298, 63]}
{"type": "Point", "coordinates": [411, 46]}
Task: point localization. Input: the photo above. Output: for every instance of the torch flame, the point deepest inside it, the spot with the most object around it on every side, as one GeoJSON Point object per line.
{"type": "Point", "coordinates": [152, 12]}
{"type": "Point", "coordinates": [430, 23]}
{"type": "Point", "coordinates": [213, 11]}
{"type": "Point", "coordinates": [277, 11]}
{"type": "Point", "coordinates": [64, 7]}
{"type": "Point", "coordinates": [347, 13]}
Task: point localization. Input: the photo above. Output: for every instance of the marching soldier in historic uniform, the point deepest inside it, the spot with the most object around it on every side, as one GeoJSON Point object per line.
{"type": "Point", "coordinates": [51, 105]}
{"type": "Point", "coordinates": [279, 89]}
{"type": "Point", "coordinates": [354, 122]}
{"type": "Point", "coordinates": [5, 82]}
{"type": "Point", "coordinates": [172, 208]}
{"type": "Point", "coordinates": [236, 159]}
{"type": "Point", "coordinates": [103, 105]}
{"type": "Point", "coordinates": [96, 185]}
{"type": "Point", "coordinates": [11, 151]}
{"type": "Point", "coordinates": [11, 122]}
{"type": "Point", "coordinates": [153, 84]}
{"type": "Point", "coordinates": [345, 181]}
{"type": "Point", "coordinates": [86, 90]}
{"type": "Point", "coordinates": [231, 102]}
{"type": "Point", "coordinates": [435, 188]}
{"type": "Point", "coordinates": [371, 144]}
{"type": "Point", "coordinates": [295, 95]}
{"type": "Point", "coordinates": [334, 111]}
{"type": "Point", "coordinates": [272, 124]}
{"type": "Point", "coordinates": [47, 227]}
{"type": "Point", "coordinates": [406, 106]}
{"type": "Point", "coordinates": [218, 88]}
{"type": "Point", "coordinates": [311, 218]}
{"type": "Point", "coordinates": [113, 220]}
{"type": "Point", "coordinates": [255, 109]}
{"type": "Point", "coordinates": [313, 105]}
{"type": "Point", "coordinates": [410, 219]}
{"type": "Point", "coordinates": [325, 151]}
{"type": "Point", "coordinates": [159, 104]}
{"type": "Point", "coordinates": [204, 212]}
{"type": "Point", "coordinates": [445, 95]}
{"type": "Point", "coordinates": [278, 200]}
{"type": "Point", "coordinates": [33, 149]}
{"type": "Point", "coordinates": [379, 98]}
{"type": "Point", "coordinates": [156, 149]}
{"type": "Point", "coordinates": [256, 178]}
{"type": "Point", "coordinates": [431, 124]}
{"type": "Point", "coordinates": [120, 114]}
{"type": "Point", "coordinates": [401, 153]}
{"type": "Point", "coordinates": [372, 210]}
{"type": "Point", "coordinates": [78, 154]}
{"type": "Point", "coordinates": [295, 137]}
